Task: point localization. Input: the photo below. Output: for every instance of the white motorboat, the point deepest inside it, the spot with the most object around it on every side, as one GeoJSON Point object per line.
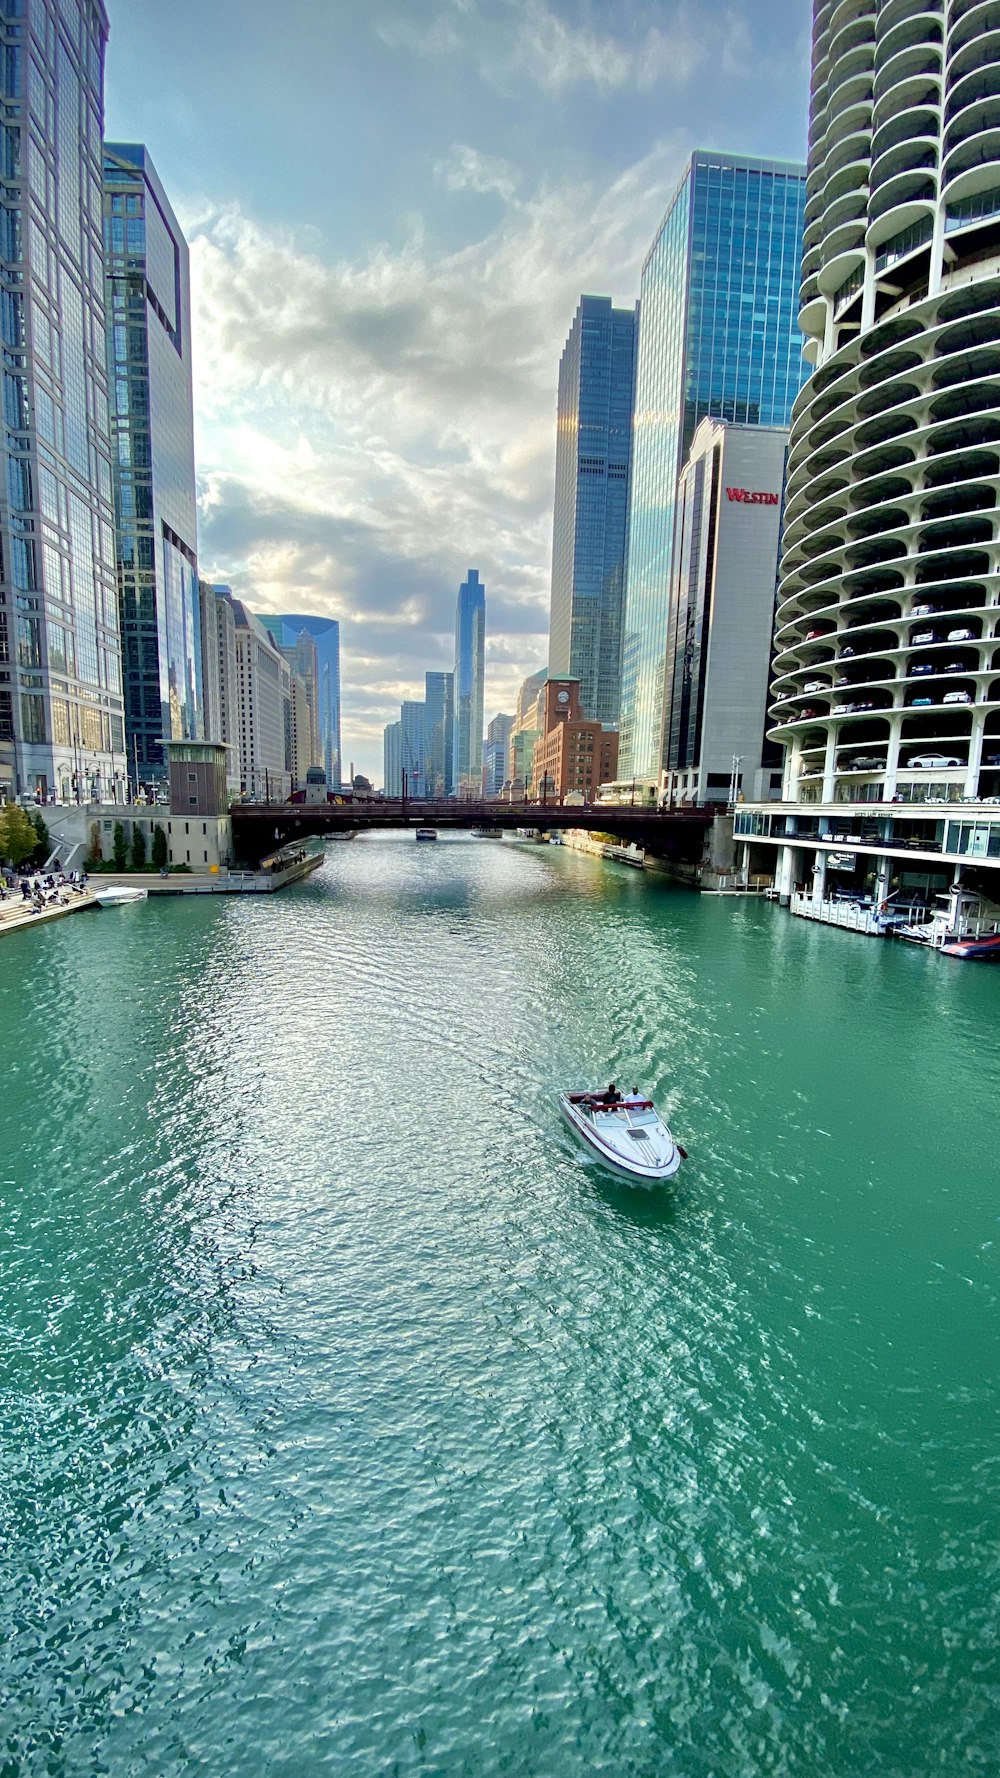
{"type": "Point", "coordinates": [427, 833]}
{"type": "Point", "coordinates": [627, 1133]}
{"type": "Point", "coordinates": [117, 894]}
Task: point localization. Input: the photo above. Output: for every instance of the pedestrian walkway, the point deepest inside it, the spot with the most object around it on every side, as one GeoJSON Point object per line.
{"type": "Point", "coordinates": [15, 912]}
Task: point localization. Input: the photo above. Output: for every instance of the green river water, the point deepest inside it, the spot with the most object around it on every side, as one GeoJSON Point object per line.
{"type": "Point", "coordinates": [352, 1420]}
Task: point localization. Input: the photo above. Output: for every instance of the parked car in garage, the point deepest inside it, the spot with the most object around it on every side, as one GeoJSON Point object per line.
{"type": "Point", "coordinates": [816, 685]}
{"type": "Point", "coordinates": [919, 667]}
{"type": "Point", "coordinates": [918, 703]}
{"type": "Point", "coordinates": [921, 637]}
{"type": "Point", "coordinates": [932, 762]}
{"type": "Point", "coordinates": [958, 697]}
{"type": "Point", "coordinates": [961, 635]}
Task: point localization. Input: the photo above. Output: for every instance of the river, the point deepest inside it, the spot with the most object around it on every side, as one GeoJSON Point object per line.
{"type": "Point", "coordinates": [352, 1420]}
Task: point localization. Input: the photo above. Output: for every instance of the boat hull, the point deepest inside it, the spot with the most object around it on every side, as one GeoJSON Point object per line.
{"type": "Point", "coordinates": [608, 1139]}
{"type": "Point", "coordinates": [119, 897]}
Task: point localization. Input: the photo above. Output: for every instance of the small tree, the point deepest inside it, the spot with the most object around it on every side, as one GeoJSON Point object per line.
{"type": "Point", "coordinates": [94, 855]}
{"type": "Point", "coordinates": [119, 845]}
{"type": "Point", "coordinates": [18, 838]}
{"type": "Point", "coordinates": [160, 851]}
{"type": "Point", "coordinates": [43, 844]}
{"type": "Point", "coordinates": [138, 848]}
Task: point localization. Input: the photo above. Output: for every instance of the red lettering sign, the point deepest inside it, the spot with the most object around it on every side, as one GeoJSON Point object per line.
{"type": "Point", "coordinates": [751, 499]}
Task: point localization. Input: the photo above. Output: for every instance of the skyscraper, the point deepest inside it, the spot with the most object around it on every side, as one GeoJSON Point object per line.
{"type": "Point", "coordinates": [148, 290]}
{"type": "Point", "coordinates": [439, 722]}
{"type": "Point", "coordinates": [593, 455]}
{"type": "Point", "coordinates": [325, 632]}
{"type": "Point", "coordinates": [495, 754]}
{"type": "Point", "coordinates": [263, 686]}
{"type": "Point", "coordinates": [61, 711]}
{"type": "Point", "coordinates": [392, 759]}
{"type": "Point", "coordinates": [470, 675]}
{"type": "Point", "coordinates": [885, 691]}
{"type": "Point", "coordinates": [718, 336]}
{"type": "Point", "coordinates": [412, 745]}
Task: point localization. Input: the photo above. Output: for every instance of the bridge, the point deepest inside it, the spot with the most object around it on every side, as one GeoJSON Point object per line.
{"type": "Point", "coordinates": [670, 833]}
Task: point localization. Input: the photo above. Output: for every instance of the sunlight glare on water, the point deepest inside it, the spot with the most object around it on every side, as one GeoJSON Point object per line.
{"type": "Point", "coordinates": [354, 1420]}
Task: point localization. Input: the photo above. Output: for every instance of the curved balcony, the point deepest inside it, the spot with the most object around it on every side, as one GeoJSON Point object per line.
{"type": "Point", "coordinates": [904, 67]}
{"type": "Point", "coordinates": [903, 198]}
{"type": "Point", "coordinates": [969, 58]}
{"type": "Point", "coordinates": [980, 117]}
{"type": "Point", "coordinates": [982, 82]}
{"type": "Point", "coordinates": [975, 158]}
{"type": "Point", "coordinates": [969, 23]}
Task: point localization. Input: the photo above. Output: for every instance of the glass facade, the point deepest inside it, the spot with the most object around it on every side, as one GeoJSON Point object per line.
{"type": "Point", "coordinates": [392, 759]}
{"type": "Point", "coordinates": [325, 632]}
{"type": "Point", "coordinates": [470, 672]}
{"type": "Point", "coordinates": [61, 729]}
{"type": "Point", "coordinates": [152, 435]}
{"type": "Point", "coordinates": [439, 722]}
{"type": "Point", "coordinates": [593, 456]}
{"type": "Point", "coordinates": [718, 335]}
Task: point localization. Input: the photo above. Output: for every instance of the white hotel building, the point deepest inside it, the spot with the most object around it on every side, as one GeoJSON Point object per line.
{"type": "Point", "coordinates": [886, 674]}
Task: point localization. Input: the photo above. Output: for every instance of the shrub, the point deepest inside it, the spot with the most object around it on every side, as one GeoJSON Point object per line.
{"type": "Point", "coordinates": [138, 848]}
{"type": "Point", "coordinates": [119, 846]}
{"type": "Point", "coordinates": [160, 851]}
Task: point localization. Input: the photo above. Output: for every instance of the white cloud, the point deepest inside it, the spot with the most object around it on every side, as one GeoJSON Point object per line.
{"type": "Point", "coordinates": [465, 169]}
{"type": "Point", "coordinates": [369, 429]}
{"type": "Point", "coordinates": [517, 40]}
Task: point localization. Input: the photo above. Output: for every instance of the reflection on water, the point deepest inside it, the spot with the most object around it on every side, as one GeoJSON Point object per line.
{"type": "Point", "coordinates": [354, 1419]}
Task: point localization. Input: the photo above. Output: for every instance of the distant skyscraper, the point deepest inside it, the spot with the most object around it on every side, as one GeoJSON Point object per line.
{"type": "Point", "coordinates": [263, 686]}
{"type": "Point", "coordinates": [152, 433]}
{"type": "Point", "coordinates": [495, 754]}
{"type": "Point", "coordinates": [61, 711]}
{"type": "Point", "coordinates": [593, 454]}
{"type": "Point", "coordinates": [718, 335]}
{"type": "Point", "coordinates": [439, 722]}
{"type": "Point", "coordinates": [392, 759]}
{"type": "Point", "coordinates": [470, 676]}
{"type": "Point", "coordinates": [219, 669]}
{"type": "Point", "coordinates": [413, 747]}
{"type": "Point", "coordinates": [325, 632]}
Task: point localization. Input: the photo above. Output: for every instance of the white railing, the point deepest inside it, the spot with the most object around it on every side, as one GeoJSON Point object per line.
{"type": "Point", "coordinates": [837, 913]}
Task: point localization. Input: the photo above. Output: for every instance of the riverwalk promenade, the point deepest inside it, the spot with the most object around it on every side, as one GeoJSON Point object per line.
{"type": "Point", "coordinates": [15, 912]}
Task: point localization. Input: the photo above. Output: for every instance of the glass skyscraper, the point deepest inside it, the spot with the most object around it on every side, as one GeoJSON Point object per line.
{"type": "Point", "coordinates": [325, 632]}
{"type": "Point", "coordinates": [439, 722]}
{"type": "Point", "coordinates": [152, 434]}
{"type": "Point", "coordinates": [593, 453]}
{"type": "Point", "coordinates": [718, 335]}
{"type": "Point", "coordinates": [61, 714]}
{"type": "Point", "coordinates": [470, 675]}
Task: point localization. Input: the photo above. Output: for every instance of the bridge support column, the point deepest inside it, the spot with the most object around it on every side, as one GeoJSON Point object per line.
{"type": "Point", "coordinates": [786, 875]}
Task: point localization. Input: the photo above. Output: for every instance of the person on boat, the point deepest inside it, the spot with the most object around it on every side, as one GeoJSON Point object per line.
{"type": "Point", "coordinates": [612, 1096]}
{"type": "Point", "coordinates": [634, 1098]}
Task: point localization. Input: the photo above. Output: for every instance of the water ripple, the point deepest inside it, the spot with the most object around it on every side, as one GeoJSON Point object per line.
{"type": "Point", "coordinates": [352, 1419]}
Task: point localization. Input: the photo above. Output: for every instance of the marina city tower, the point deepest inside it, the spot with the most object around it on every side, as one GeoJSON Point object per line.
{"type": "Point", "coordinates": [886, 676]}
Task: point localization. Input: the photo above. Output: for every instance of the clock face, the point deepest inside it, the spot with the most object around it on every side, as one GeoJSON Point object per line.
{"type": "Point", "coordinates": [562, 697]}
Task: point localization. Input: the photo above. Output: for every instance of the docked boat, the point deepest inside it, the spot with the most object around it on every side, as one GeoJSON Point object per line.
{"type": "Point", "coordinates": [427, 833]}
{"type": "Point", "coordinates": [487, 833]}
{"type": "Point", "coordinates": [627, 1133]}
{"type": "Point", "coordinates": [117, 894]}
{"type": "Point", "coordinates": [983, 949]}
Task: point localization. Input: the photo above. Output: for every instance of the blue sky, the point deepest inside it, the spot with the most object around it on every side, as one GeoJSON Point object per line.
{"type": "Point", "coordinates": [393, 209]}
